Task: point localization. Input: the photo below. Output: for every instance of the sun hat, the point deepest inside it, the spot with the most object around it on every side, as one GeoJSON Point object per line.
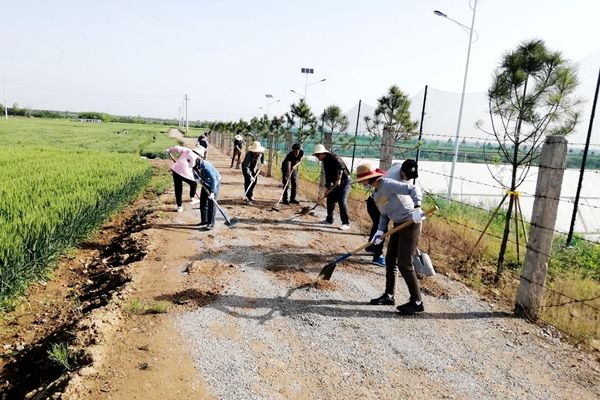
{"type": "Point", "coordinates": [366, 171]}
{"type": "Point", "coordinates": [256, 147]}
{"type": "Point", "coordinates": [199, 150]}
{"type": "Point", "coordinates": [238, 137]}
{"type": "Point", "coordinates": [409, 167]}
{"type": "Point", "coordinates": [320, 149]}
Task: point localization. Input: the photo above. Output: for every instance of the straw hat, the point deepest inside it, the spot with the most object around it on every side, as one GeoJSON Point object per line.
{"type": "Point", "coordinates": [319, 150]}
{"type": "Point", "coordinates": [238, 137]}
{"type": "Point", "coordinates": [199, 150]}
{"type": "Point", "coordinates": [366, 171]}
{"type": "Point", "coordinates": [256, 147]}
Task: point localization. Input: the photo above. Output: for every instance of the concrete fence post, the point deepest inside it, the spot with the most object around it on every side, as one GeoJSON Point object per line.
{"type": "Point", "coordinates": [545, 206]}
{"type": "Point", "coordinates": [270, 164]}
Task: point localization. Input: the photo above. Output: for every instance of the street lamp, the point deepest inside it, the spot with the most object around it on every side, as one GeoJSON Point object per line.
{"type": "Point", "coordinates": [462, 97]}
{"type": "Point", "coordinates": [305, 87]}
{"type": "Point", "coordinates": [269, 96]}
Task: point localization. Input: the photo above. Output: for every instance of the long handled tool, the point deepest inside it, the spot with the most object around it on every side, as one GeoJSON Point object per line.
{"type": "Point", "coordinates": [228, 222]}
{"type": "Point", "coordinates": [251, 182]}
{"type": "Point", "coordinates": [322, 198]}
{"type": "Point", "coordinates": [287, 182]}
{"type": "Point", "coordinates": [327, 270]}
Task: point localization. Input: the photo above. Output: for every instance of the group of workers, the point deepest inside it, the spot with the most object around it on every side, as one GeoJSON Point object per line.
{"type": "Point", "coordinates": [392, 198]}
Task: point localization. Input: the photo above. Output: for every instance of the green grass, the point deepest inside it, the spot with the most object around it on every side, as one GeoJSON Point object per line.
{"type": "Point", "coordinates": [139, 307]}
{"type": "Point", "coordinates": [60, 180]}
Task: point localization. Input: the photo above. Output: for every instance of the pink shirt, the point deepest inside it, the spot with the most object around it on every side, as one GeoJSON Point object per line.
{"type": "Point", "coordinates": [186, 161]}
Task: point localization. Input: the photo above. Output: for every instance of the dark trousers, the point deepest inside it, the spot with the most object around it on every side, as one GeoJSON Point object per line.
{"type": "Point", "coordinates": [339, 195]}
{"type": "Point", "coordinates": [292, 185]}
{"type": "Point", "coordinates": [374, 214]}
{"type": "Point", "coordinates": [236, 153]}
{"type": "Point", "coordinates": [208, 210]}
{"type": "Point", "coordinates": [178, 183]}
{"type": "Point", "coordinates": [249, 185]}
{"type": "Point", "coordinates": [400, 252]}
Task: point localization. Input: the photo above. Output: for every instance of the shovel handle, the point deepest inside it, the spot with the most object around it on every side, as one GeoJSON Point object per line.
{"type": "Point", "coordinates": [392, 231]}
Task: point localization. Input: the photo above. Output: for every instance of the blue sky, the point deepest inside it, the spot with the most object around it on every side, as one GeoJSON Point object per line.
{"type": "Point", "coordinates": [142, 57]}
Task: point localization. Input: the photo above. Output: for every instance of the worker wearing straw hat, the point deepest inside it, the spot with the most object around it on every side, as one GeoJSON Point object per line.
{"type": "Point", "coordinates": [402, 246]}
{"type": "Point", "coordinates": [399, 172]}
{"type": "Point", "coordinates": [337, 180]}
{"type": "Point", "coordinates": [238, 144]}
{"type": "Point", "coordinates": [250, 168]}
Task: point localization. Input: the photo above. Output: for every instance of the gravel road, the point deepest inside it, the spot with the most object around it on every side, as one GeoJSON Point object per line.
{"type": "Point", "coordinates": [273, 333]}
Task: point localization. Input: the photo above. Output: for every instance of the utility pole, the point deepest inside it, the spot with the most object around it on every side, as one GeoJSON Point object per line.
{"type": "Point", "coordinates": [186, 98]}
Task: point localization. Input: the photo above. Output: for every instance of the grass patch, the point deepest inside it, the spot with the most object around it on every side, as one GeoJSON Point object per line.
{"type": "Point", "coordinates": [139, 307]}
{"type": "Point", "coordinates": [60, 354]}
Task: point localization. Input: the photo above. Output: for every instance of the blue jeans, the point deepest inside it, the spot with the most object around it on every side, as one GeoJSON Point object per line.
{"type": "Point", "coordinates": [293, 184]}
{"type": "Point", "coordinates": [208, 210]}
{"type": "Point", "coordinates": [339, 195]}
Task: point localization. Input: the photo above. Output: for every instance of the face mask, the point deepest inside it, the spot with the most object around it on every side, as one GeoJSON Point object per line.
{"type": "Point", "coordinates": [365, 186]}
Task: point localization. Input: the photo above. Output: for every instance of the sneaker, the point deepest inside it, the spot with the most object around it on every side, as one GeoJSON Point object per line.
{"type": "Point", "coordinates": [203, 224]}
{"type": "Point", "coordinates": [370, 248]}
{"type": "Point", "coordinates": [294, 201]}
{"type": "Point", "coordinates": [179, 209]}
{"type": "Point", "coordinates": [209, 227]}
{"type": "Point", "coordinates": [248, 203]}
{"type": "Point", "coordinates": [385, 299]}
{"type": "Point", "coordinates": [345, 227]}
{"type": "Point", "coordinates": [326, 222]}
{"type": "Point", "coordinates": [285, 202]}
{"type": "Point", "coordinates": [380, 261]}
{"type": "Point", "coordinates": [250, 198]}
{"type": "Point", "coordinates": [410, 308]}
{"type": "Point", "coordinates": [194, 201]}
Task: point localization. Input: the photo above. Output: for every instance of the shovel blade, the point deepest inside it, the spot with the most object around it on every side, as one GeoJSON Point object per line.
{"type": "Point", "coordinates": [231, 222]}
{"type": "Point", "coordinates": [327, 271]}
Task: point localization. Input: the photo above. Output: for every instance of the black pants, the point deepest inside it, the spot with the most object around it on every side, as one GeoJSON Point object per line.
{"type": "Point", "coordinates": [178, 183]}
{"type": "Point", "coordinates": [236, 153]}
{"type": "Point", "coordinates": [374, 214]}
{"type": "Point", "coordinates": [249, 186]}
{"type": "Point", "coordinates": [293, 184]}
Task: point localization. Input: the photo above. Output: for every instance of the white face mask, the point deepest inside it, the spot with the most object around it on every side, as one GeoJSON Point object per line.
{"type": "Point", "coordinates": [365, 186]}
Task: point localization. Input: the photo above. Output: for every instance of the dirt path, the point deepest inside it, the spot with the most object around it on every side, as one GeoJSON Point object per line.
{"type": "Point", "coordinates": [247, 320]}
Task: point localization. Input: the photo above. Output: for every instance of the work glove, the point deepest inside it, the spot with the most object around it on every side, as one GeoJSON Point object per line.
{"type": "Point", "coordinates": [211, 196]}
{"type": "Point", "coordinates": [376, 239]}
{"type": "Point", "coordinates": [417, 216]}
{"type": "Point", "coordinates": [167, 151]}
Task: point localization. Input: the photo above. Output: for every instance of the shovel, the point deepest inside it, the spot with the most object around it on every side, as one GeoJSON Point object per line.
{"type": "Point", "coordinates": [284, 189]}
{"type": "Point", "coordinates": [250, 185]}
{"type": "Point", "coordinates": [306, 210]}
{"type": "Point", "coordinates": [327, 270]}
{"type": "Point", "coordinates": [228, 222]}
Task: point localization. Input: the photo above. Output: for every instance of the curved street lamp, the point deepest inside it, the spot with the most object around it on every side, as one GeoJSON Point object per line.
{"type": "Point", "coordinates": [306, 87]}
{"type": "Point", "coordinates": [462, 97]}
{"type": "Point", "coordinates": [269, 96]}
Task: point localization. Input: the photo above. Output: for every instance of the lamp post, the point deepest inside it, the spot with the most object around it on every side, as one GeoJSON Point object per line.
{"type": "Point", "coordinates": [269, 96]}
{"type": "Point", "coordinates": [462, 97]}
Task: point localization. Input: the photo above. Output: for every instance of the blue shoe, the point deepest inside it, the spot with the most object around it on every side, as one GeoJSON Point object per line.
{"type": "Point", "coordinates": [380, 261]}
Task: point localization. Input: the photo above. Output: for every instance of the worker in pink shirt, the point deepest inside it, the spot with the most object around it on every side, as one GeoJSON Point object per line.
{"type": "Point", "coordinates": [182, 172]}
